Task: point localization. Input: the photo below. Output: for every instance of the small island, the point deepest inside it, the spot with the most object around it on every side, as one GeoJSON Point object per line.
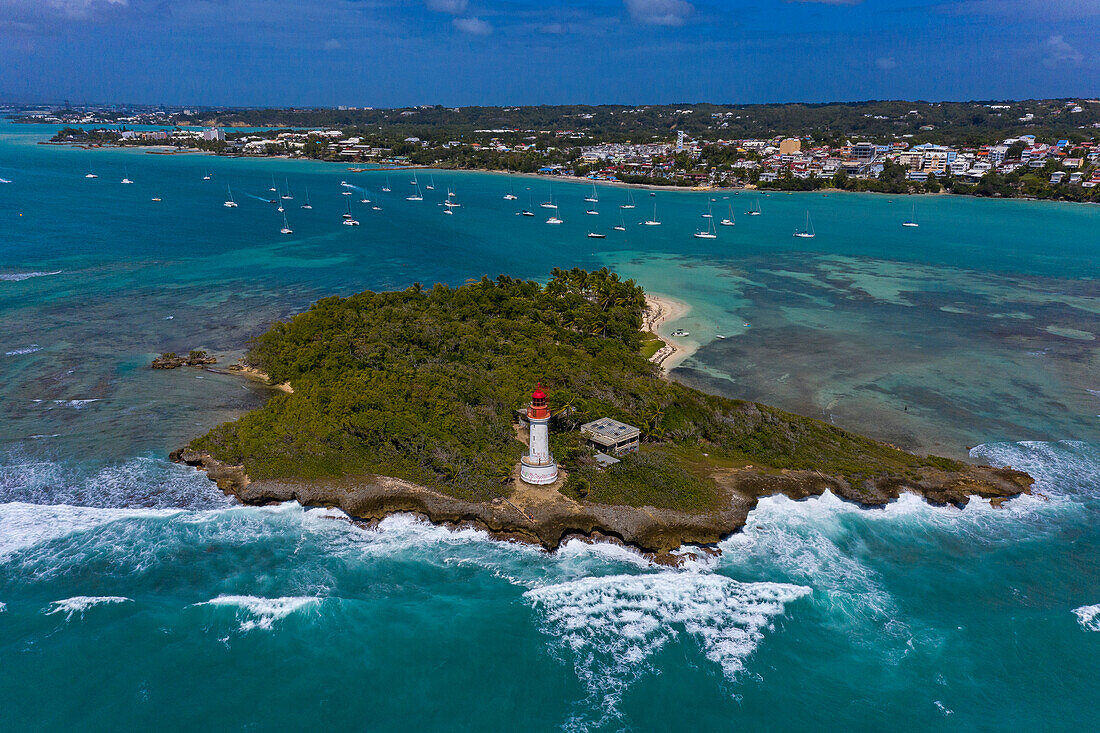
{"type": "Point", "coordinates": [424, 401]}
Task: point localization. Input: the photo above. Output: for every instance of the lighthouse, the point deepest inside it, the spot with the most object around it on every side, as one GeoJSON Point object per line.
{"type": "Point", "coordinates": [538, 467]}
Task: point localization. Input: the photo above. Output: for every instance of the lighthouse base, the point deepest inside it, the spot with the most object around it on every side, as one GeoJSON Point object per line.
{"type": "Point", "coordinates": [538, 473]}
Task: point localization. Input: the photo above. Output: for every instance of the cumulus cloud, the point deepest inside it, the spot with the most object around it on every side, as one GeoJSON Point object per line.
{"type": "Point", "coordinates": [1058, 52]}
{"type": "Point", "coordinates": [454, 7]}
{"type": "Point", "coordinates": [886, 62]}
{"type": "Point", "coordinates": [473, 26]}
{"type": "Point", "coordinates": [660, 12]}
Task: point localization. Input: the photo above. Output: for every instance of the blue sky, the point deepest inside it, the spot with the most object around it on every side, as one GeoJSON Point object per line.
{"type": "Point", "coordinates": [462, 52]}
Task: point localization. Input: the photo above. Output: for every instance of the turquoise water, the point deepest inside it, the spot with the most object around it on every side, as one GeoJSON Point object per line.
{"type": "Point", "coordinates": [136, 595]}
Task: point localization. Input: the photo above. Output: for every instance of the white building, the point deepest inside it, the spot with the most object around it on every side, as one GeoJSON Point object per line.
{"type": "Point", "coordinates": [213, 133]}
{"type": "Point", "coordinates": [538, 466]}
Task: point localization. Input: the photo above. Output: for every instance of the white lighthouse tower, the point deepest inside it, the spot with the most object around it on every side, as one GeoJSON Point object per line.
{"type": "Point", "coordinates": [538, 467]}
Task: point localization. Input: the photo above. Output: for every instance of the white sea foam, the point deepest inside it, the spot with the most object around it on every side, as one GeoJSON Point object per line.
{"type": "Point", "coordinates": [1088, 617]}
{"type": "Point", "coordinates": [1064, 468]}
{"type": "Point", "coordinates": [25, 525]}
{"type": "Point", "coordinates": [612, 625]}
{"type": "Point", "coordinates": [75, 404]}
{"type": "Point", "coordinates": [255, 612]}
{"type": "Point", "coordinates": [79, 604]}
{"type": "Point", "coordinates": [18, 276]}
{"type": "Point", "coordinates": [3, 607]}
{"type": "Point", "coordinates": [25, 350]}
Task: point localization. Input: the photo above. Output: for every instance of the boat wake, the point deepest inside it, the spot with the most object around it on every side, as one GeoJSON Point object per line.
{"type": "Point", "coordinates": [1088, 617]}
{"type": "Point", "coordinates": [15, 277]}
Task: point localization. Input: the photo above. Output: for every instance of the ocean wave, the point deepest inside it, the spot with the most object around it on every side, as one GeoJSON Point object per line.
{"type": "Point", "coordinates": [1064, 468]}
{"type": "Point", "coordinates": [25, 350]}
{"type": "Point", "coordinates": [611, 625]}
{"type": "Point", "coordinates": [18, 276]}
{"type": "Point", "coordinates": [79, 604]}
{"type": "Point", "coordinates": [256, 612]}
{"type": "Point", "coordinates": [1088, 617]}
{"type": "Point", "coordinates": [3, 607]}
{"type": "Point", "coordinates": [75, 404]}
{"type": "Point", "coordinates": [23, 526]}
{"type": "Point", "coordinates": [141, 482]}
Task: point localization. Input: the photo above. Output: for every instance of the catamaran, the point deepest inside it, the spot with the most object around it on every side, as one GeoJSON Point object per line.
{"type": "Point", "coordinates": [511, 195]}
{"type": "Point", "coordinates": [654, 222]}
{"type": "Point", "coordinates": [594, 198]}
{"type": "Point", "coordinates": [206, 175]}
{"type": "Point", "coordinates": [754, 208]}
{"type": "Point", "coordinates": [912, 220]}
{"type": "Point", "coordinates": [808, 232]}
{"type": "Point", "coordinates": [553, 219]}
{"type": "Point", "coordinates": [730, 221]}
{"type": "Point", "coordinates": [126, 178]}
{"type": "Point", "coordinates": [307, 204]}
{"type": "Point", "coordinates": [630, 201]}
{"type": "Point", "coordinates": [286, 227]}
{"type": "Point", "coordinates": [230, 204]}
{"type": "Point", "coordinates": [709, 233]}
{"type": "Point", "coordinates": [386, 188]}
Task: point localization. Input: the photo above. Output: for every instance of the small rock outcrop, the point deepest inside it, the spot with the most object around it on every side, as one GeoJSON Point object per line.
{"type": "Point", "coordinates": [172, 360]}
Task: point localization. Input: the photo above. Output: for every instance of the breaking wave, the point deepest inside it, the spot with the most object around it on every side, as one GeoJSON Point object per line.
{"type": "Point", "coordinates": [1088, 617]}
{"type": "Point", "coordinates": [18, 276]}
{"type": "Point", "coordinates": [80, 604]}
{"type": "Point", "coordinates": [25, 350]}
{"type": "Point", "coordinates": [261, 613]}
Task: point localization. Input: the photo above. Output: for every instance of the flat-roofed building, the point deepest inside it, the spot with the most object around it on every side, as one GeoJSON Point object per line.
{"type": "Point", "coordinates": [790, 146]}
{"type": "Point", "coordinates": [611, 435]}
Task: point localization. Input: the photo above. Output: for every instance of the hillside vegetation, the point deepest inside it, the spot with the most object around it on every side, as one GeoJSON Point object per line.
{"type": "Point", "coordinates": [423, 384]}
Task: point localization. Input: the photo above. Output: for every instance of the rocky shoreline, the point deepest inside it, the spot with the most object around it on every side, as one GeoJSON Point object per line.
{"type": "Point", "coordinates": [546, 517]}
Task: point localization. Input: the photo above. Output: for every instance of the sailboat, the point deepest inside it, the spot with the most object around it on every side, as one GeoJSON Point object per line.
{"type": "Point", "coordinates": [286, 227]}
{"type": "Point", "coordinates": [205, 175]}
{"type": "Point", "coordinates": [347, 188]}
{"type": "Point", "coordinates": [450, 203]}
{"type": "Point", "coordinates": [549, 204]}
{"type": "Point", "coordinates": [754, 208]}
{"type": "Point", "coordinates": [630, 201]}
{"type": "Point", "coordinates": [530, 205]}
{"type": "Point", "coordinates": [709, 233]}
{"type": "Point", "coordinates": [622, 224]}
{"type": "Point", "coordinates": [286, 196]}
{"type": "Point", "coordinates": [708, 214]}
{"type": "Point", "coordinates": [126, 178]}
{"type": "Point", "coordinates": [808, 232]}
{"type": "Point", "coordinates": [912, 220]}
{"type": "Point", "coordinates": [594, 198]}
{"type": "Point", "coordinates": [592, 212]}
{"type": "Point", "coordinates": [431, 186]}
{"type": "Point", "coordinates": [386, 188]}
{"type": "Point", "coordinates": [730, 221]}
{"type": "Point", "coordinates": [553, 219]}
{"type": "Point", "coordinates": [418, 196]}
{"type": "Point", "coordinates": [273, 188]}
{"type": "Point", "coordinates": [230, 204]}
{"type": "Point", "coordinates": [91, 175]}
{"type": "Point", "coordinates": [349, 220]}
{"type": "Point", "coordinates": [596, 235]}
{"type": "Point", "coordinates": [307, 204]}
{"type": "Point", "coordinates": [511, 195]}
{"type": "Point", "coordinates": [654, 221]}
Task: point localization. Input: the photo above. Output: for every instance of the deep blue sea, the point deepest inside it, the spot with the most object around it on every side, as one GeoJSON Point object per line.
{"type": "Point", "coordinates": [135, 596]}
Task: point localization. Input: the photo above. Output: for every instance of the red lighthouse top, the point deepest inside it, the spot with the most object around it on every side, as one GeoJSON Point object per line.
{"type": "Point", "coordinates": [538, 409]}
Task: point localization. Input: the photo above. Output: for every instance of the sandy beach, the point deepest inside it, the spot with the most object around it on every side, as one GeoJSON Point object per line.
{"type": "Point", "coordinates": [661, 310]}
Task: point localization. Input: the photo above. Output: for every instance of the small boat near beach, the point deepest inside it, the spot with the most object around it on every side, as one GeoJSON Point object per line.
{"type": "Point", "coordinates": [808, 232]}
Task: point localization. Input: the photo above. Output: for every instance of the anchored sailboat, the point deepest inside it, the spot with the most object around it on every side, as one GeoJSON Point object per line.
{"type": "Point", "coordinates": [730, 221]}
{"type": "Point", "coordinates": [709, 233]}
{"type": "Point", "coordinates": [307, 204]}
{"type": "Point", "coordinates": [912, 220]}
{"type": "Point", "coordinates": [629, 202]}
{"type": "Point", "coordinates": [754, 208]}
{"type": "Point", "coordinates": [654, 221]}
{"type": "Point", "coordinates": [594, 198]}
{"type": "Point", "coordinates": [286, 227]}
{"type": "Point", "coordinates": [808, 232]}
{"type": "Point", "coordinates": [621, 227]}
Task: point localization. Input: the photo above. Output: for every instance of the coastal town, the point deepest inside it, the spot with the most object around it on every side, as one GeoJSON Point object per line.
{"type": "Point", "coordinates": [1051, 152]}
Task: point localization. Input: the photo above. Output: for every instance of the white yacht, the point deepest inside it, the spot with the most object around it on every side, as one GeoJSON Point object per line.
{"type": "Point", "coordinates": [596, 235]}
{"type": "Point", "coordinates": [912, 220]}
{"type": "Point", "coordinates": [386, 188]}
{"type": "Point", "coordinates": [808, 232]}
{"type": "Point", "coordinates": [630, 201]}
{"type": "Point", "coordinates": [418, 196]}
{"type": "Point", "coordinates": [594, 198]}
{"type": "Point", "coordinates": [286, 227]}
{"type": "Point", "coordinates": [754, 209]}
{"type": "Point", "coordinates": [709, 233]}
{"type": "Point", "coordinates": [307, 204]}
{"type": "Point", "coordinates": [206, 175]}
{"type": "Point", "coordinates": [273, 188]}
{"type": "Point", "coordinates": [729, 221]}
{"type": "Point", "coordinates": [431, 185]}
{"type": "Point", "coordinates": [621, 226]}
{"type": "Point", "coordinates": [654, 222]}
{"type": "Point", "coordinates": [286, 196]}
{"type": "Point", "coordinates": [230, 204]}
{"type": "Point", "coordinates": [553, 220]}
{"type": "Point", "coordinates": [511, 195]}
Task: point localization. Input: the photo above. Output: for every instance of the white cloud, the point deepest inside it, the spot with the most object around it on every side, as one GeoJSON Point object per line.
{"type": "Point", "coordinates": [886, 62]}
{"type": "Point", "coordinates": [473, 26]}
{"type": "Point", "coordinates": [454, 7]}
{"type": "Point", "coordinates": [81, 8]}
{"type": "Point", "coordinates": [1057, 52]}
{"type": "Point", "coordinates": [660, 12]}
{"type": "Point", "coordinates": [333, 45]}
